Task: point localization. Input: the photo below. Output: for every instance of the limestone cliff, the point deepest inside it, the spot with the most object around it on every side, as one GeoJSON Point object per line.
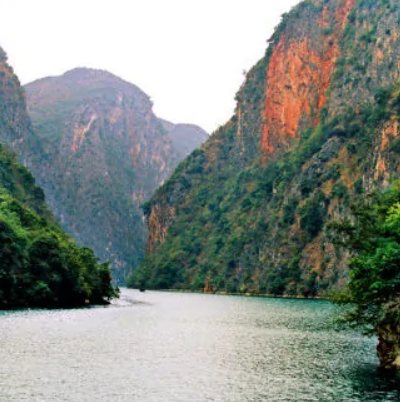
{"type": "Point", "coordinates": [300, 72]}
{"type": "Point", "coordinates": [316, 125]}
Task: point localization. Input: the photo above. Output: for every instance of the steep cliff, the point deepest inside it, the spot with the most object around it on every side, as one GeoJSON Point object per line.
{"type": "Point", "coordinates": [101, 153]}
{"type": "Point", "coordinates": [15, 124]}
{"type": "Point", "coordinates": [316, 124]}
{"type": "Point", "coordinates": [40, 265]}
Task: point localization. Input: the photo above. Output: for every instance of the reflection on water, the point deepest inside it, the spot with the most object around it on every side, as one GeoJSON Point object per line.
{"type": "Point", "coordinates": [184, 347]}
{"type": "Point", "coordinates": [375, 384]}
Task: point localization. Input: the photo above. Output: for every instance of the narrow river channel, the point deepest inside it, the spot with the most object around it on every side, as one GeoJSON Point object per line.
{"type": "Point", "coordinates": [172, 347]}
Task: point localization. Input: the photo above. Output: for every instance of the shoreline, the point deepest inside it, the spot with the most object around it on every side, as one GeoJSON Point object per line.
{"type": "Point", "coordinates": [261, 295]}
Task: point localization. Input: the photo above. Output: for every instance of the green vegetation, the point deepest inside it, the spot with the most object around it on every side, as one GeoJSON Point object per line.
{"type": "Point", "coordinates": [39, 264]}
{"type": "Point", "coordinates": [312, 215]}
{"type": "Point", "coordinates": [373, 238]}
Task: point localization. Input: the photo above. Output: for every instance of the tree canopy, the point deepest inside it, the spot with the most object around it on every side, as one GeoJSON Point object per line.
{"type": "Point", "coordinates": [373, 238]}
{"type": "Point", "coordinates": [40, 265]}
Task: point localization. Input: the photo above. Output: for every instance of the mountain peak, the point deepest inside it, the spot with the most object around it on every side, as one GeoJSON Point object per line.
{"type": "Point", "coordinates": [108, 153]}
{"type": "Point", "coordinates": [91, 74]}
{"type": "Point", "coordinates": [3, 55]}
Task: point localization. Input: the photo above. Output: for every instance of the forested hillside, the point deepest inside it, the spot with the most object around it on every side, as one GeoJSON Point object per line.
{"type": "Point", "coordinates": [316, 126]}
{"type": "Point", "coordinates": [40, 265]}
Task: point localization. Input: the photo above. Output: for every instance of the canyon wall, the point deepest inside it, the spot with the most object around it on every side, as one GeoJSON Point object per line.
{"type": "Point", "coordinates": [315, 126]}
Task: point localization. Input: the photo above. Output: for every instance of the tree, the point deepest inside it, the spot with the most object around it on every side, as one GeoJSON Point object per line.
{"type": "Point", "coordinates": [42, 266]}
{"type": "Point", "coordinates": [312, 215]}
{"type": "Point", "coordinates": [373, 291]}
{"type": "Point", "coordinates": [13, 262]}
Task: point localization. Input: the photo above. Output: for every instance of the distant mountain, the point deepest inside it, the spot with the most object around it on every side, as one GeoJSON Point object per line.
{"type": "Point", "coordinates": [100, 152]}
{"type": "Point", "coordinates": [185, 137]}
{"type": "Point", "coordinates": [40, 265]}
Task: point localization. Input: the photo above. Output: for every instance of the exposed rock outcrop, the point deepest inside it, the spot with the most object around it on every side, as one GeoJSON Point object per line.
{"type": "Point", "coordinates": [299, 73]}
{"type": "Point", "coordinates": [389, 338]}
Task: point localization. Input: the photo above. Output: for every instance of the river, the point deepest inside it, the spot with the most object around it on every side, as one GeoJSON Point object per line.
{"type": "Point", "coordinates": [174, 347]}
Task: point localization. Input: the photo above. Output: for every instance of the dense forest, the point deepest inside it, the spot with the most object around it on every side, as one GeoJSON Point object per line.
{"type": "Point", "coordinates": [371, 297]}
{"type": "Point", "coordinates": [39, 264]}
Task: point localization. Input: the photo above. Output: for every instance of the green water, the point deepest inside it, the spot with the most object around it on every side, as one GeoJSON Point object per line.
{"type": "Point", "coordinates": [188, 347]}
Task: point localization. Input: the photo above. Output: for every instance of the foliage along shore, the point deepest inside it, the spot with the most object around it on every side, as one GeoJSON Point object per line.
{"type": "Point", "coordinates": [41, 266]}
{"type": "Point", "coordinates": [372, 236]}
{"type": "Point", "coordinates": [247, 294]}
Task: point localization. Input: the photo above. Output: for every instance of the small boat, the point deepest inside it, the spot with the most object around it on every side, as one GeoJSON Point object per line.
{"type": "Point", "coordinates": [142, 289]}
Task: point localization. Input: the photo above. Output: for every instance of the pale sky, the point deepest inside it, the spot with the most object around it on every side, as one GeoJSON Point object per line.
{"type": "Point", "coordinates": [187, 55]}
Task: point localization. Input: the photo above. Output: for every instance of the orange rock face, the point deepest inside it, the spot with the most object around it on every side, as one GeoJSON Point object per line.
{"type": "Point", "coordinates": [298, 75]}
{"type": "Point", "coordinates": [158, 224]}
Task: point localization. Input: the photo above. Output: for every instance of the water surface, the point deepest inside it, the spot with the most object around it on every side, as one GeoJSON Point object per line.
{"type": "Point", "coordinates": [172, 347]}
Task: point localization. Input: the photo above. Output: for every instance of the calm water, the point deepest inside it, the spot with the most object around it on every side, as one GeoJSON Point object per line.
{"type": "Point", "coordinates": [187, 347]}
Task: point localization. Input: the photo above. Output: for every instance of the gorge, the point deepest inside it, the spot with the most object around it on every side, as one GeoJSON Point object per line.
{"type": "Point", "coordinates": [297, 196]}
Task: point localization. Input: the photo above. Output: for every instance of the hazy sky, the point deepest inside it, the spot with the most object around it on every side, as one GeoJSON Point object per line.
{"type": "Point", "coordinates": [188, 55]}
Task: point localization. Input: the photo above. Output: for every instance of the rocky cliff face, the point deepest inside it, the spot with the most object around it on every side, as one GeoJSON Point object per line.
{"type": "Point", "coordinates": [300, 72]}
{"type": "Point", "coordinates": [100, 153]}
{"type": "Point", "coordinates": [389, 341]}
{"type": "Point", "coordinates": [15, 126]}
{"type": "Point", "coordinates": [316, 124]}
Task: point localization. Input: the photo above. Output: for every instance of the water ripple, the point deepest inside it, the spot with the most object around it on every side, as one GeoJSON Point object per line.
{"type": "Point", "coordinates": [154, 347]}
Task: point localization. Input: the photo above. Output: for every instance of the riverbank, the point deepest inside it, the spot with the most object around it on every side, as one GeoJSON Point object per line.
{"type": "Point", "coordinates": [221, 293]}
